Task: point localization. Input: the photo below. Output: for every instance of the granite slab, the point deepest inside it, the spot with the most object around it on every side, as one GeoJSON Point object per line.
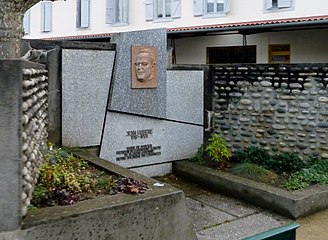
{"type": "Point", "coordinates": [86, 77]}
{"type": "Point", "coordinates": [185, 96]}
{"type": "Point", "coordinates": [133, 141]}
{"type": "Point", "coordinates": [148, 102]}
{"type": "Point", "coordinates": [154, 170]}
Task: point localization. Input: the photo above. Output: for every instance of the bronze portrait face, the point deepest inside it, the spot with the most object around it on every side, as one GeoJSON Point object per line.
{"type": "Point", "coordinates": [144, 67]}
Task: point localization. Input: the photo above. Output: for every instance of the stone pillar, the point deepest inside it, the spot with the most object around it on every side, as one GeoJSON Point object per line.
{"type": "Point", "coordinates": [10, 144]}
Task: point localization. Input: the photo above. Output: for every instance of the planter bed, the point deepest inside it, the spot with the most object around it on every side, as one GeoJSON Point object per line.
{"type": "Point", "coordinates": [160, 211]}
{"type": "Point", "coordinates": [292, 204]}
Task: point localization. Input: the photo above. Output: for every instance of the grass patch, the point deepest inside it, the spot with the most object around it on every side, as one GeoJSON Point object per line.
{"type": "Point", "coordinates": [254, 172]}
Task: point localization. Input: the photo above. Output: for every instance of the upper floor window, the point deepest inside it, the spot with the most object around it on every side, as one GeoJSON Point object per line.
{"type": "Point", "coordinates": [278, 4]}
{"type": "Point", "coordinates": [211, 7]}
{"type": "Point", "coordinates": [162, 9]}
{"type": "Point", "coordinates": [83, 13]}
{"type": "Point", "coordinates": [26, 22]}
{"type": "Point", "coordinates": [117, 11]}
{"type": "Point", "coordinates": [46, 16]}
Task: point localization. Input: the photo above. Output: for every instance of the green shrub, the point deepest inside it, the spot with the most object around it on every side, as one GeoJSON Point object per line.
{"type": "Point", "coordinates": [254, 154]}
{"type": "Point", "coordinates": [199, 156]}
{"type": "Point", "coordinates": [217, 149]}
{"type": "Point", "coordinates": [39, 192]}
{"type": "Point", "coordinates": [254, 172]}
{"type": "Point", "coordinates": [316, 174]}
{"type": "Point", "coordinates": [63, 170]}
{"type": "Point", "coordinates": [295, 182]}
{"type": "Point", "coordinates": [286, 162]}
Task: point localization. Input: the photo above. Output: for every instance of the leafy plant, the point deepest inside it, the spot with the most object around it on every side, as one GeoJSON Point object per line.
{"type": "Point", "coordinates": [253, 154]}
{"type": "Point", "coordinates": [286, 162]}
{"type": "Point", "coordinates": [199, 156]}
{"type": "Point", "coordinates": [39, 192]}
{"type": "Point", "coordinates": [254, 172]}
{"type": "Point", "coordinates": [63, 170]}
{"type": "Point", "coordinates": [217, 149]}
{"type": "Point", "coordinates": [295, 182]}
{"type": "Point", "coordinates": [104, 183]}
{"type": "Point", "coordinates": [316, 174]}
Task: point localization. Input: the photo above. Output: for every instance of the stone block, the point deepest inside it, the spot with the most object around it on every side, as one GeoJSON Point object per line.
{"type": "Point", "coordinates": [86, 77]}
{"type": "Point", "coordinates": [154, 170]}
{"type": "Point", "coordinates": [185, 101]}
{"type": "Point", "coordinates": [11, 144]}
{"type": "Point", "coordinates": [148, 102]}
{"type": "Point", "coordinates": [133, 141]}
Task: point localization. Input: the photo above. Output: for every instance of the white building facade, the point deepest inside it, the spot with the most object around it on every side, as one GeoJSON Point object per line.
{"type": "Point", "coordinates": [199, 31]}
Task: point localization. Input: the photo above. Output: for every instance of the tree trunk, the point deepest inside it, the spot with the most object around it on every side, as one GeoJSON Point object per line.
{"type": "Point", "coordinates": [11, 27]}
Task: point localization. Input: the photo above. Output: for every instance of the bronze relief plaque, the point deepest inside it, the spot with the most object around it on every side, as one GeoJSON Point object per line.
{"type": "Point", "coordinates": [144, 67]}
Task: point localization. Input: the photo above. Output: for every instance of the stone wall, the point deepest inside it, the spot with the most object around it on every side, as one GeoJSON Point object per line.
{"type": "Point", "coordinates": [34, 131]}
{"type": "Point", "coordinates": [22, 117]}
{"type": "Point", "coordinates": [282, 108]}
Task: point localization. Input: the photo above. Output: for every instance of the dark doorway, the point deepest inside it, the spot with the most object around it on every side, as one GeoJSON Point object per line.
{"type": "Point", "coordinates": [233, 54]}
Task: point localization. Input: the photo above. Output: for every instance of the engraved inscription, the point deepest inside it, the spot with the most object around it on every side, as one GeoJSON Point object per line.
{"type": "Point", "coordinates": [140, 151]}
{"type": "Point", "coordinates": [139, 134]}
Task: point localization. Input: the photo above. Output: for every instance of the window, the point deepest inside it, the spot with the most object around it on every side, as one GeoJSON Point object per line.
{"type": "Point", "coordinates": [46, 16]}
{"type": "Point", "coordinates": [117, 12]}
{"type": "Point", "coordinates": [279, 53]}
{"type": "Point", "coordinates": [162, 9]}
{"type": "Point", "coordinates": [231, 54]}
{"type": "Point", "coordinates": [83, 13]}
{"type": "Point", "coordinates": [26, 22]}
{"type": "Point", "coordinates": [211, 7]}
{"type": "Point", "coordinates": [278, 4]}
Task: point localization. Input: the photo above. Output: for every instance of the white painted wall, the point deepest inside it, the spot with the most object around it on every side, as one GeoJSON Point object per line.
{"type": "Point", "coordinates": [64, 16]}
{"type": "Point", "coordinates": [307, 46]}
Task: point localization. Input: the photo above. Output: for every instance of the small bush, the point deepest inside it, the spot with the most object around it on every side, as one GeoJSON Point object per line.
{"type": "Point", "coordinates": [253, 154]}
{"type": "Point", "coordinates": [217, 149]}
{"type": "Point", "coordinates": [286, 162]}
{"type": "Point", "coordinates": [63, 170]}
{"type": "Point", "coordinates": [254, 172]}
{"type": "Point", "coordinates": [199, 156]}
{"type": "Point", "coordinates": [316, 174]}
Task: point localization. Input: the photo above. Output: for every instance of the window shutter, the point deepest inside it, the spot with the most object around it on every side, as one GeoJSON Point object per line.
{"type": "Point", "coordinates": [26, 22]}
{"type": "Point", "coordinates": [284, 3]}
{"type": "Point", "coordinates": [85, 13]}
{"type": "Point", "coordinates": [78, 13]}
{"type": "Point", "coordinates": [176, 9]}
{"type": "Point", "coordinates": [268, 4]}
{"type": "Point", "coordinates": [198, 7]}
{"type": "Point", "coordinates": [149, 4]}
{"type": "Point", "coordinates": [125, 11]}
{"type": "Point", "coordinates": [46, 17]}
{"type": "Point", "coordinates": [226, 6]}
{"type": "Point", "coordinates": [110, 11]}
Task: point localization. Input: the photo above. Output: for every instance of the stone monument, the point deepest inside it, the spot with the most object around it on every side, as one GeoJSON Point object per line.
{"type": "Point", "coordinates": [154, 116]}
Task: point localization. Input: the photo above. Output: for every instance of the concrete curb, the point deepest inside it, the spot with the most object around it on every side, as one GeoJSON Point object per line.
{"type": "Point", "coordinates": [159, 213]}
{"type": "Point", "coordinates": [292, 204]}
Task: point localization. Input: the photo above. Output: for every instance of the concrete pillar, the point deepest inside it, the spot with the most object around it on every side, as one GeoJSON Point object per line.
{"type": "Point", "coordinates": [10, 144]}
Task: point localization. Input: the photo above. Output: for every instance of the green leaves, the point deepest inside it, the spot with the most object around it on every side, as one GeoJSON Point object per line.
{"type": "Point", "coordinates": [217, 149]}
{"type": "Point", "coordinates": [315, 174]}
{"type": "Point", "coordinates": [253, 154]}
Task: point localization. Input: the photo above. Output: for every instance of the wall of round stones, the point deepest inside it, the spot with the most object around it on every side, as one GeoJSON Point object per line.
{"type": "Point", "coordinates": [34, 131]}
{"type": "Point", "coordinates": [282, 108]}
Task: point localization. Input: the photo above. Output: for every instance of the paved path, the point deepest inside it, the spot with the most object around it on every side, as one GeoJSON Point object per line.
{"type": "Point", "coordinates": [217, 217]}
{"type": "Point", "coordinates": [313, 227]}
